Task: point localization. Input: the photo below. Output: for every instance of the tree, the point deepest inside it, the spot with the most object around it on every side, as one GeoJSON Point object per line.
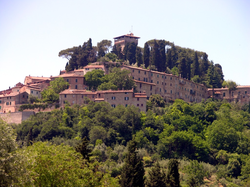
{"type": "Point", "coordinates": [162, 51]}
{"type": "Point", "coordinates": [103, 47]}
{"type": "Point", "coordinates": [156, 58]}
{"type": "Point", "coordinates": [231, 85]}
{"type": "Point", "coordinates": [139, 56]}
{"type": "Point", "coordinates": [58, 85]}
{"type": "Point", "coordinates": [146, 55]}
{"type": "Point", "coordinates": [94, 78]}
{"type": "Point", "coordinates": [157, 177]}
{"type": "Point", "coordinates": [11, 163]}
{"type": "Point", "coordinates": [51, 94]}
{"type": "Point", "coordinates": [82, 148]}
{"type": "Point", "coordinates": [133, 170]}
{"type": "Point", "coordinates": [107, 86]}
{"type": "Point", "coordinates": [196, 174]}
{"type": "Point", "coordinates": [173, 176]}
{"type": "Point", "coordinates": [131, 53]}
{"type": "Point", "coordinates": [182, 68]}
{"type": "Point", "coordinates": [196, 70]}
{"type": "Point", "coordinates": [156, 100]}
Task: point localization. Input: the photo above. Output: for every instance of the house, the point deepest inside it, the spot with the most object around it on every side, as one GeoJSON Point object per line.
{"type": "Point", "coordinates": [124, 39]}
{"type": "Point", "coordinates": [114, 97]}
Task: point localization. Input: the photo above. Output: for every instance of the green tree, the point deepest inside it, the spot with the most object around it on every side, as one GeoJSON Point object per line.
{"type": "Point", "coordinates": [138, 56]}
{"type": "Point", "coordinates": [107, 86]}
{"type": "Point", "coordinates": [173, 176]}
{"type": "Point", "coordinates": [231, 85]}
{"type": "Point", "coordinates": [83, 148]}
{"type": "Point", "coordinates": [103, 47]}
{"type": "Point", "coordinates": [196, 174]}
{"type": "Point", "coordinates": [133, 170]}
{"type": "Point", "coordinates": [156, 58]}
{"type": "Point", "coordinates": [182, 68]}
{"type": "Point", "coordinates": [12, 170]}
{"type": "Point", "coordinates": [196, 70]}
{"type": "Point", "coordinates": [157, 177]}
{"type": "Point", "coordinates": [162, 51]}
{"type": "Point", "coordinates": [58, 85]}
{"type": "Point", "coordinates": [131, 53]}
{"type": "Point", "coordinates": [94, 78]}
{"type": "Point", "coordinates": [146, 55]}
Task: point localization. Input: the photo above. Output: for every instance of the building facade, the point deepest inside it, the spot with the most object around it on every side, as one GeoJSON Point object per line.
{"type": "Point", "coordinates": [114, 97]}
{"type": "Point", "coordinates": [124, 39]}
{"type": "Point", "coordinates": [169, 86]}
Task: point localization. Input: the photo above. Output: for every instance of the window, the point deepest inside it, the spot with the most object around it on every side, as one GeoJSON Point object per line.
{"type": "Point", "coordinates": [157, 75]}
{"type": "Point", "coordinates": [76, 80]}
{"type": "Point", "coordinates": [126, 98]}
{"type": "Point", "coordinates": [87, 68]}
{"type": "Point", "coordinates": [17, 90]}
{"type": "Point", "coordinates": [10, 103]}
{"type": "Point", "coordinates": [141, 104]}
{"type": "Point", "coordinates": [245, 92]}
{"type": "Point", "coordinates": [144, 72]}
{"type": "Point", "coordinates": [126, 105]}
{"type": "Point", "coordinates": [73, 102]}
{"type": "Point", "coordinates": [165, 91]}
{"type": "Point", "coordinates": [113, 98]}
{"type": "Point", "coordinates": [140, 85]}
{"type": "Point", "coordinates": [82, 96]}
{"type": "Point", "coordinates": [170, 78]}
{"type": "Point", "coordinates": [151, 74]}
{"type": "Point", "coordinates": [138, 104]}
{"type": "Point", "coordinates": [160, 89]}
{"type": "Point", "coordinates": [133, 70]}
{"type": "Point", "coordinates": [67, 80]}
{"type": "Point", "coordinates": [162, 76]}
{"type": "Point", "coordinates": [139, 79]}
{"type": "Point", "coordinates": [171, 91]}
{"type": "Point", "coordinates": [32, 91]}
{"type": "Point", "coordinates": [138, 71]}
{"type": "Point", "coordinates": [126, 92]}
{"type": "Point", "coordinates": [65, 95]}
{"type": "Point", "coordinates": [232, 93]}
{"type": "Point", "coordinates": [157, 82]}
{"type": "Point", "coordinates": [73, 95]}
{"type": "Point", "coordinates": [7, 97]}
{"type": "Point", "coordinates": [151, 81]}
{"type": "Point", "coordinates": [7, 103]}
{"type": "Point", "coordinates": [0, 101]}
{"type": "Point", "coordinates": [113, 105]}
{"type": "Point", "coordinates": [75, 86]}
{"type": "Point", "coordinates": [36, 92]}
{"type": "Point", "coordinates": [23, 96]}
{"type": "Point", "coordinates": [0, 107]}
{"type": "Point", "coordinates": [138, 99]}
{"type": "Point", "coordinates": [151, 88]}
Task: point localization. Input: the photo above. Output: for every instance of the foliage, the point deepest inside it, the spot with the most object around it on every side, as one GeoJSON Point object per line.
{"type": "Point", "coordinates": [157, 177]}
{"type": "Point", "coordinates": [33, 106]}
{"type": "Point", "coordinates": [133, 170]}
{"type": "Point", "coordinates": [173, 176]}
{"type": "Point", "coordinates": [94, 78]}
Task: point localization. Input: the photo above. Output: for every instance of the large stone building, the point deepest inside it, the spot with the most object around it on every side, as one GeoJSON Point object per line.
{"type": "Point", "coordinates": [114, 97]}
{"type": "Point", "coordinates": [169, 86]}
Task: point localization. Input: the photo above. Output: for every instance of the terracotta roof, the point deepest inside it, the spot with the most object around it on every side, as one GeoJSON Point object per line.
{"type": "Point", "coordinates": [99, 99]}
{"type": "Point", "coordinates": [94, 66]}
{"type": "Point", "coordinates": [115, 91]}
{"type": "Point", "coordinates": [12, 94]}
{"type": "Point", "coordinates": [38, 78]}
{"type": "Point", "coordinates": [153, 84]}
{"type": "Point", "coordinates": [74, 91]}
{"type": "Point", "coordinates": [140, 95]}
{"type": "Point", "coordinates": [219, 93]}
{"type": "Point", "coordinates": [68, 75]}
{"type": "Point", "coordinates": [244, 86]}
{"type": "Point", "coordinates": [131, 35]}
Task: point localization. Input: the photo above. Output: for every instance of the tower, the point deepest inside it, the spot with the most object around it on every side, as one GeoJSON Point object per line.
{"type": "Point", "coordinates": [123, 39]}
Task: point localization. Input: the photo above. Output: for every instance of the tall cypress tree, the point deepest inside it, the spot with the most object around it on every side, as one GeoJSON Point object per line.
{"type": "Point", "coordinates": [157, 177]}
{"type": "Point", "coordinates": [196, 65]}
{"type": "Point", "coordinates": [173, 176]}
{"type": "Point", "coordinates": [131, 53]}
{"type": "Point", "coordinates": [133, 169]}
{"type": "Point", "coordinates": [156, 56]}
{"type": "Point", "coordinates": [182, 68]}
{"type": "Point", "coordinates": [125, 51]}
{"type": "Point", "coordinates": [146, 55]}
{"type": "Point", "coordinates": [82, 148]}
{"type": "Point", "coordinates": [138, 56]}
{"type": "Point", "coordinates": [162, 50]}
{"type": "Point", "coordinates": [188, 67]}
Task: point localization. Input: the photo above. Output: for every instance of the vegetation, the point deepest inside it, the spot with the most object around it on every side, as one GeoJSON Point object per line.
{"type": "Point", "coordinates": [210, 140]}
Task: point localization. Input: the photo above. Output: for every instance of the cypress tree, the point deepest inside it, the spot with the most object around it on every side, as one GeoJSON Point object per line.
{"type": "Point", "coordinates": [196, 65]}
{"type": "Point", "coordinates": [82, 148]}
{"type": "Point", "coordinates": [169, 59]}
{"type": "Point", "coordinates": [156, 56]}
{"type": "Point", "coordinates": [125, 51]}
{"type": "Point", "coordinates": [138, 56]}
{"type": "Point", "coordinates": [133, 169]}
{"type": "Point", "coordinates": [162, 51]}
{"type": "Point", "coordinates": [131, 53]}
{"type": "Point", "coordinates": [30, 137]}
{"type": "Point", "coordinates": [188, 67]}
{"type": "Point", "coordinates": [182, 68]}
{"type": "Point", "coordinates": [173, 176]}
{"type": "Point", "coordinates": [146, 55]}
{"type": "Point", "coordinates": [157, 177]}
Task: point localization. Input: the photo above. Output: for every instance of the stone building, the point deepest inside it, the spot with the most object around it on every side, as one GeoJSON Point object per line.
{"type": "Point", "coordinates": [240, 95]}
{"type": "Point", "coordinates": [114, 97]}
{"type": "Point", "coordinates": [124, 39]}
{"type": "Point", "coordinates": [169, 86]}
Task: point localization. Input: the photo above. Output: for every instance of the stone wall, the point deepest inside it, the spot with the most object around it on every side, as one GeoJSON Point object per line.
{"type": "Point", "coordinates": [16, 117]}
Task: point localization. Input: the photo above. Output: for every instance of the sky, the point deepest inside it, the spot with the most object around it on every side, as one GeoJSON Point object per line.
{"type": "Point", "coordinates": [33, 32]}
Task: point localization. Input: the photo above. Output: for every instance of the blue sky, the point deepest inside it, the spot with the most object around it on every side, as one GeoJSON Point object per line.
{"type": "Point", "coordinates": [32, 32]}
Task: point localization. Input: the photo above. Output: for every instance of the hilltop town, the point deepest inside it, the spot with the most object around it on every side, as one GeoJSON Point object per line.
{"type": "Point", "coordinates": [148, 82]}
